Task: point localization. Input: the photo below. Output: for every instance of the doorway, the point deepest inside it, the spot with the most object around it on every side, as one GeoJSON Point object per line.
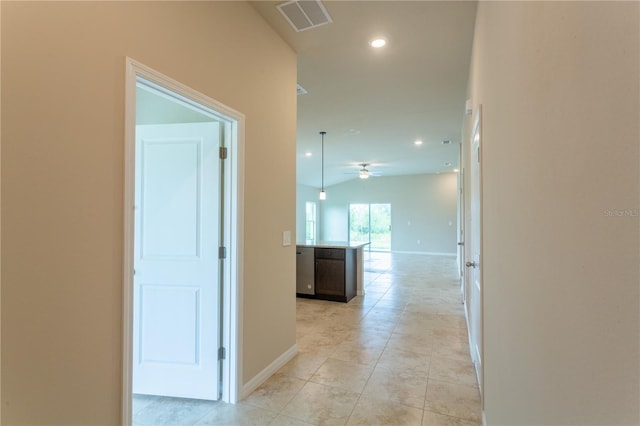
{"type": "Point", "coordinates": [371, 223]}
{"type": "Point", "coordinates": [474, 290]}
{"type": "Point", "coordinates": [182, 203]}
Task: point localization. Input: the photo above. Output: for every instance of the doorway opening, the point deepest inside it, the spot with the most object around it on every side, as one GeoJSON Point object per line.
{"type": "Point", "coordinates": [182, 296]}
{"type": "Point", "coordinates": [371, 223]}
{"type": "Point", "coordinates": [474, 291]}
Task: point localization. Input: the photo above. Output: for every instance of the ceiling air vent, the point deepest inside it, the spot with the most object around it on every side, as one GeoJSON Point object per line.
{"type": "Point", "coordinates": [446, 142]}
{"type": "Point", "coordinates": [301, 90]}
{"type": "Point", "coordinates": [305, 14]}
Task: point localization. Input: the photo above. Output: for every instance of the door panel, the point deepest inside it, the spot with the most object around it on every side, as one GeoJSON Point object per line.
{"type": "Point", "coordinates": [474, 268]}
{"type": "Point", "coordinates": [380, 229]}
{"type": "Point", "coordinates": [176, 306]}
{"type": "Point", "coordinates": [371, 223]}
{"type": "Point", "coordinates": [171, 197]}
{"type": "Point", "coordinates": [181, 328]}
{"type": "Point", "coordinates": [359, 223]}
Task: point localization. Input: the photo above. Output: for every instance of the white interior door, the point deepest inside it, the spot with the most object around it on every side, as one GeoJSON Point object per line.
{"type": "Point", "coordinates": [176, 330]}
{"type": "Point", "coordinates": [462, 226]}
{"type": "Point", "coordinates": [474, 262]}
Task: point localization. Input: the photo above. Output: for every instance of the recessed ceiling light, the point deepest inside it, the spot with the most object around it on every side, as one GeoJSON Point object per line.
{"type": "Point", "coordinates": [456, 170]}
{"type": "Point", "coordinates": [378, 42]}
{"type": "Point", "coordinates": [308, 154]}
{"type": "Point", "coordinates": [418, 142]}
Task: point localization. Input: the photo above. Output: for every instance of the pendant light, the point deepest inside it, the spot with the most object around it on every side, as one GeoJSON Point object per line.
{"type": "Point", "coordinates": [323, 195]}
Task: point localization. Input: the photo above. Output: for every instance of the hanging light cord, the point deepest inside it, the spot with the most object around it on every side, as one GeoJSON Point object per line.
{"type": "Point", "coordinates": [322, 155]}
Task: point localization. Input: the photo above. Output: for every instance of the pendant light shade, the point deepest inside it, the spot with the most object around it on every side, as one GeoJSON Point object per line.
{"type": "Point", "coordinates": [323, 195]}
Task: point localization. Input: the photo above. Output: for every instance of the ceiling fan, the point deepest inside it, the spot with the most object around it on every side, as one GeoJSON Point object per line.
{"type": "Point", "coordinates": [364, 173]}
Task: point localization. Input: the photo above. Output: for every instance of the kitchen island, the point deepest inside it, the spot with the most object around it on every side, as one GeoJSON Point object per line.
{"type": "Point", "coordinates": [329, 270]}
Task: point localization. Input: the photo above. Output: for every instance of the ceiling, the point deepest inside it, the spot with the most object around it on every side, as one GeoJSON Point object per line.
{"type": "Point", "coordinates": [374, 103]}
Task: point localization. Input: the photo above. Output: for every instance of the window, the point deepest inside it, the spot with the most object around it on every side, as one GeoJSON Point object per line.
{"type": "Point", "coordinates": [310, 220]}
{"type": "Point", "coordinates": [371, 223]}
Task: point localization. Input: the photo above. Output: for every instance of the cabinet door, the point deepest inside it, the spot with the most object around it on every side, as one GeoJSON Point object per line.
{"type": "Point", "coordinates": [330, 277]}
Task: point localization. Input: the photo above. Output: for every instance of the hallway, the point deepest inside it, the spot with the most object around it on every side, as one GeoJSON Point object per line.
{"type": "Point", "coordinates": [398, 355]}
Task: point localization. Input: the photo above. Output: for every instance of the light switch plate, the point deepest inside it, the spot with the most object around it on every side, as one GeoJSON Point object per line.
{"type": "Point", "coordinates": [286, 238]}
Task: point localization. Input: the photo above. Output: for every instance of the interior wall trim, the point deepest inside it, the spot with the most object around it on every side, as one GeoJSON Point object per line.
{"type": "Point", "coordinates": [268, 371]}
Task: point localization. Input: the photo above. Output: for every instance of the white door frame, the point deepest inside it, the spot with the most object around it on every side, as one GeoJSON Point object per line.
{"type": "Point", "coordinates": [233, 123]}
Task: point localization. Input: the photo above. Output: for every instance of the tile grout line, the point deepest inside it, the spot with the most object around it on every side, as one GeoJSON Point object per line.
{"type": "Point", "coordinates": [374, 366]}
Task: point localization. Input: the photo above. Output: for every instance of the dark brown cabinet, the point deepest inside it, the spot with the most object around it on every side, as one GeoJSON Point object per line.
{"type": "Point", "coordinates": [335, 276]}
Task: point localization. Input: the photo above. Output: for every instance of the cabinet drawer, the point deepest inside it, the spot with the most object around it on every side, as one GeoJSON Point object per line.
{"type": "Point", "coordinates": [328, 253]}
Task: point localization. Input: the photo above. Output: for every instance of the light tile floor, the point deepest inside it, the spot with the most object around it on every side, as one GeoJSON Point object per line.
{"type": "Point", "coordinates": [398, 355]}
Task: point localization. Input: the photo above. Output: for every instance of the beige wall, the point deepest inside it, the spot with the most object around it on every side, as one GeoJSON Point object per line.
{"type": "Point", "coordinates": [558, 82]}
{"type": "Point", "coordinates": [62, 187]}
{"type": "Point", "coordinates": [423, 208]}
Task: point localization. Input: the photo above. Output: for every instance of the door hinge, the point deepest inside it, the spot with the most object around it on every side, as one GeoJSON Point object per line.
{"type": "Point", "coordinates": [223, 152]}
{"type": "Point", "coordinates": [222, 353]}
{"type": "Point", "coordinates": [222, 253]}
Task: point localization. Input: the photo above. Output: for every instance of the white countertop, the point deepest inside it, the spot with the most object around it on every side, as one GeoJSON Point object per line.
{"type": "Point", "coordinates": [332, 244]}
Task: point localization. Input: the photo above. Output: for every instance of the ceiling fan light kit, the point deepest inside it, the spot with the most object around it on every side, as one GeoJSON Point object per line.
{"type": "Point", "coordinates": [327, 55]}
{"type": "Point", "coordinates": [364, 173]}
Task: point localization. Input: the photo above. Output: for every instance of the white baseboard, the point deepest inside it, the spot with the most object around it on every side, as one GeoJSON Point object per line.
{"type": "Point", "coordinates": [268, 371]}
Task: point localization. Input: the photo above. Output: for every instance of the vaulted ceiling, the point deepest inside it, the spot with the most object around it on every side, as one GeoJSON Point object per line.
{"type": "Point", "coordinates": [375, 103]}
